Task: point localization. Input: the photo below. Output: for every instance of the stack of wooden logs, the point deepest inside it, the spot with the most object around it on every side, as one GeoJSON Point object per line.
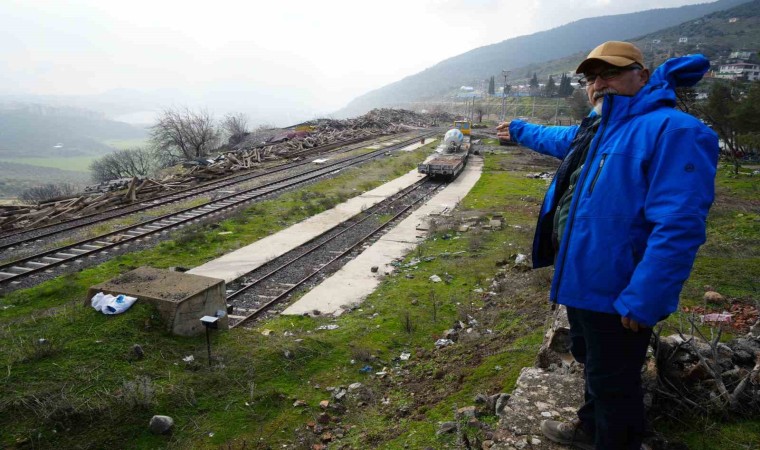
{"type": "Point", "coordinates": [248, 155]}
{"type": "Point", "coordinates": [116, 194]}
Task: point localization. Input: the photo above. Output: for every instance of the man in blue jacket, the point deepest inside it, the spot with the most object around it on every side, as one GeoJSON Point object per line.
{"type": "Point", "coordinates": [621, 222]}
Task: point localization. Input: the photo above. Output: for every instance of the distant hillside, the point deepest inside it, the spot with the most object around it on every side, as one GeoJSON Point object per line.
{"type": "Point", "coordinates": [714, 35]}
{"type": "Point", "coordinates": [16, 178]}
{"type": "Point", "coordinates": [32, 130]}
{"type": "Point", "coordinates": [483, 62]}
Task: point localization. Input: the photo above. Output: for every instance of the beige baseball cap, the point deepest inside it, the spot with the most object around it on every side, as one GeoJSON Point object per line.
{"type": "Point", "coordinates": [617, 53]}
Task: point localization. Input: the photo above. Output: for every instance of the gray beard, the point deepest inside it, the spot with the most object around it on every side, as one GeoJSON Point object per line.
{"type": "Point", "coordinates": [598, 106]}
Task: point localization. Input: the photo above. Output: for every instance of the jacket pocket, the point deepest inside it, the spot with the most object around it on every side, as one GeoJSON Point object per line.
{"type": "Point", "coordinates": [596, 175]}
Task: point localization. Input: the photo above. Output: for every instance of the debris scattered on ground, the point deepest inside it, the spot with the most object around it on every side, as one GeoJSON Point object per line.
{"type": "Point", "coordinates": [737, 315]}
{"type": "Point", "coordinates": [435, 278]}
{"type": "Point", "coordinates": [443, 342]}
{"type": "Point", "coordinates": [267, 145]}
{"type": "Point", "coordinates": [109, 304]}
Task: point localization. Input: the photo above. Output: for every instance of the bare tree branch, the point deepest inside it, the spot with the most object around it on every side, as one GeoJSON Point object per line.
{"type": "Point", "coordinates": [184, 134]}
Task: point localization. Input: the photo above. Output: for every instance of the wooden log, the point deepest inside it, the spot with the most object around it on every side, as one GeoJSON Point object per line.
{"type": "Point", "coordinates": [130, 195]}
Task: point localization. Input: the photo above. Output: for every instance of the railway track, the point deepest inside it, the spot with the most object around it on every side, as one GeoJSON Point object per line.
{"type": "Point", "coordinates": [77, 253]}
{"type": "Point", "coordinates": [11, 241]}
{"type": "Point", "coordinates": [273, 283]}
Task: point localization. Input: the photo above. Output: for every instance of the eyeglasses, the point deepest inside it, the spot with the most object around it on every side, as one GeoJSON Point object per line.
{"type": "Point", "coordinates": [607, 74]}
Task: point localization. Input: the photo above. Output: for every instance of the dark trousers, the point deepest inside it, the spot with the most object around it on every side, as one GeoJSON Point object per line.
{"type": "Point", "coordinates": [612, 356]}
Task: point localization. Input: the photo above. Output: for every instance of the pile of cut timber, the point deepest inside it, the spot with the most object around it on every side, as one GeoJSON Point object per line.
{"type": "Point", "coordinates": [278, 144]}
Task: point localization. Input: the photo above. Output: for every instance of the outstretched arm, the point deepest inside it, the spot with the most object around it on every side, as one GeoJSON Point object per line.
{"type": "Point", "coordinates": [552, 141]}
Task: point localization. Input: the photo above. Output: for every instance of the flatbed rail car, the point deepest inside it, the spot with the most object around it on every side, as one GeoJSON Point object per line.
{"type": "Point", "coordinates": [445, 166]}
{"type": "Point", "coordinates": [452, 157]}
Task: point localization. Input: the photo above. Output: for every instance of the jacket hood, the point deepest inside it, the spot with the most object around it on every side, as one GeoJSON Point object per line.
{"type": "Point", "coordinates": [683, 71]}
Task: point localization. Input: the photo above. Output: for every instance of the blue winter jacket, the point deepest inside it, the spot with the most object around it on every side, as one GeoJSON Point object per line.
{"type": "Point", "coordinates": [638, 213]}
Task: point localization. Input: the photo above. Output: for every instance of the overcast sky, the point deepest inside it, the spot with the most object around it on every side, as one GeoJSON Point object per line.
{"type": "Point", "coordinates": [307, 56]}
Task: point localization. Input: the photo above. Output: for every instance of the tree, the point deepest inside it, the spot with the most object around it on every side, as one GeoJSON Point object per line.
{"type": "Point", "coordinates": [579, 106]}
{"type": "Point", "coordinates": [747, 116]}
{"type": "Point", "coordinates": [134, 162]}
{"type": "Point", "coordinates": [565, 88]}
{"type": "Point", "coordinates": [480, 110]}
{"type": "Point", "coordinates": [47, 192]}
{"type": "Point", "coordinates": [551, 87]}
{"type": "Point", "coordinates": [533, 84]}
{"type": "Point", "coordinates": [492, 86]}
{"type": "Point", "coordinates": [236, 128]}
{"type": "Point", "coordinates": [732, 115]}
{"type": "Point", "coordinates": [182, 134]}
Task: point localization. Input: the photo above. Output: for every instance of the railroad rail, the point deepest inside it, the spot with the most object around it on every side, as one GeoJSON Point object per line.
{"type": "Point", "coordinates": [9, 241]}
{"type": "Point", "coordinates": [261, 289]}
{"type": "Point", "coordinates": [75, 253]}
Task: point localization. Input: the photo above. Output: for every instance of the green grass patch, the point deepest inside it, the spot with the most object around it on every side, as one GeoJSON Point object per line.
{"type": "Point", "coordinates": [123, 144]}
{"type": "Point", "coordinates": [83, 385]}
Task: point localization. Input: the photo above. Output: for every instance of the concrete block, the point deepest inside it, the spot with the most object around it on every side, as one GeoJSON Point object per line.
{"type": "Point", "coordinates": [180, 298]}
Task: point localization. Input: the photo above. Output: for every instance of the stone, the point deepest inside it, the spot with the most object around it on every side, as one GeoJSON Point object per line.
{"type": "Point", "coordinates": [181, 299]}
{"type": "Point", "coordinates": [451, 334]}
{"type": "Point", "coordinates": [323, 418]}
{"type": "Point", "coordinates": [354, 386]}
{"type": "Point", "coordinates": [339, 394]}
{"type": "Point", "coordinates": [713, 297]}
{"type": "Point", "coordinates": [138, 351]}
{"type": "Point", "coordinates": [374, 269]}
{"type": "Point", "coordinates": [754, 330]}
{"type": "Point", "coordinates": [481, 399]}
{"type": "Point", "coordinates": [501, 403]}
{"type": "Point", "coordinates": [446, 427]}
{"type": "Point", "coordinates": [466, 411]}
{"type": "Point", "coordinates": [324, 404]}
{"type": "Point", "coordinates": [161, 424]}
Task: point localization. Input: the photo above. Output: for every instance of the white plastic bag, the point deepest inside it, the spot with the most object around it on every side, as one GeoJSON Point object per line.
{"type": "Point", "coordinates": [108, 304]}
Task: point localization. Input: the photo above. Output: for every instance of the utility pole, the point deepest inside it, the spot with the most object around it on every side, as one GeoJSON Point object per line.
{"type": "Point", "coordinates": [504, 95]}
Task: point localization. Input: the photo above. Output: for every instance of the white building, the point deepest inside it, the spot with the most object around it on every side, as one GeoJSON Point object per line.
{"type": "Point", "coordinates": [746, 71]}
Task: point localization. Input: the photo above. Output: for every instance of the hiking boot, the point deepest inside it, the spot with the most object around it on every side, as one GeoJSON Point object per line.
{"type": "Point", "coordinates": [568, 433]}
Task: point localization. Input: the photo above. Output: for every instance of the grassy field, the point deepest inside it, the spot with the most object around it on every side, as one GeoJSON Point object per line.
{"type": "Point", "coordinates": [76, 163]}
{"type": "Point", "coordinates": [82, 385]}
{"type": "Point", "coordinates": [122, 144]}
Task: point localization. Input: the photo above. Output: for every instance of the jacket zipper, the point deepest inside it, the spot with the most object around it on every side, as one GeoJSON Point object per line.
{"type": "Point", "coordinates": [596, 176]}
{"type": "Point", "coordinates": [574, 205]}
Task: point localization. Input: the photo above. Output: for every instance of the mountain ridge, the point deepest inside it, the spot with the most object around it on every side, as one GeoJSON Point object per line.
{"type": "Point", "coordinates": [485, 61]}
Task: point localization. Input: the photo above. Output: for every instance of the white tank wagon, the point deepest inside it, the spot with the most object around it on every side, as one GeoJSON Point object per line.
{"type": "Point", "coordinates": [450, 157]}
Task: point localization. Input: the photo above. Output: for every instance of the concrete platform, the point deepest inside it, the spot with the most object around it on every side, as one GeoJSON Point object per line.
{"type": "Point", "coordinates": [181, 299]}
{"type": "Point", "coordinates": [354, 281]}
{"type": "Point", "coordinates": [241, 261]}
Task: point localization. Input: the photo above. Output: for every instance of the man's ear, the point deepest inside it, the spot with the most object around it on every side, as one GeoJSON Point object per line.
{"type": "Point", "coordinates": [644, 76]}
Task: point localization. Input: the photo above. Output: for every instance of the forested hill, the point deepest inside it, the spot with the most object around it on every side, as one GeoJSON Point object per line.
{"type": "Point", "coordinates": [483, 62]}
{"type": "Point", "coordinates": [43, 131]}
{"type": "Point", "coordinates": [715, 35]}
